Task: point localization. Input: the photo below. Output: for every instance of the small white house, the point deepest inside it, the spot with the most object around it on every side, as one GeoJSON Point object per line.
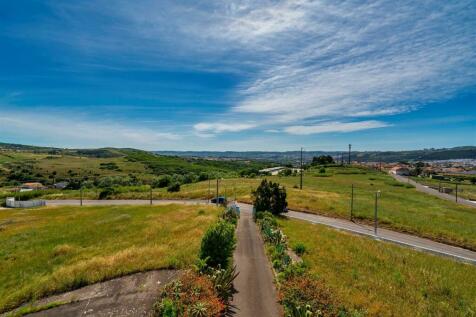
{"type": "Point", "coordinates": [400, 170]}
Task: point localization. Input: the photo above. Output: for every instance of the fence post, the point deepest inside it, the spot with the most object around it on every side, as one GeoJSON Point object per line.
{"type": "Point", "coordinates": [456, 192]}
{"type": "Point", "coordinates": [81, 194]}
{"type": "Point", "coordinates": [377, 194]}
{"type": "Point", "coordinates": [352, 203]}
{"type": "Point", "coordinates": [150, 196]}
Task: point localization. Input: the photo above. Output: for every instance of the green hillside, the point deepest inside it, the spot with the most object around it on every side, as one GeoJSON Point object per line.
{"type": "Point", "coordinates": [20, 163]}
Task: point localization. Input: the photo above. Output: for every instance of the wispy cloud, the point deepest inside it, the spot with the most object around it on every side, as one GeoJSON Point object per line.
{"type": "Point", "coordinates": [335, 127]}
{"type": "Point", "coordinates": [217, 127]}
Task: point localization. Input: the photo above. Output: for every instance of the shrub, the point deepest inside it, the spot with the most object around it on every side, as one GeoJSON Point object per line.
{"type": "Point", "coordinates": [218, 244]}
{"type": "Point", "coordinates": [306, 291]}
{"type": "Point", "coordinates": [222, 280]}
{"type": "Point", "coordinates": [107, 193]}
{"type": "Point", "coordinates": [175, 187]}
{"type": "Point", "coordinates": [299, 248]}
{"type": "Point", "coordinates": [230, 215]}
{"type": "Point", "coordinates": [322, 170]}
{"type": "Point", "coordinates": [271, 197]}
{"type": "Point", "coordinates": [162, 181]}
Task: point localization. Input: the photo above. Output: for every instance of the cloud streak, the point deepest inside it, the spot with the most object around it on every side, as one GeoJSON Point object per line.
{"type": "Point", "coordinates": [335, 127]}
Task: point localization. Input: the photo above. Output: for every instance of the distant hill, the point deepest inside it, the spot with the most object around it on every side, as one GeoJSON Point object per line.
{"type": "Point", "coordinates": [46, 164]}
{"type": "Point", "coordinates": [463, 152]}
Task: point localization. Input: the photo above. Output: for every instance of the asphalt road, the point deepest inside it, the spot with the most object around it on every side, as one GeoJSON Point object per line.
{"type": "Point", "coordinates": [341, 224]}
{"type": "Point", "coordinates": [390, 236]}
{"type": "Point", "coordinates": [433, 192]}
{"type": "Point", "coordinates": [256, 290]}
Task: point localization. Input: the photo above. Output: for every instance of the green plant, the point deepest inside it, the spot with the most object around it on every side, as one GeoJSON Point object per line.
{"type": "Point", "coordinates": [270, 196]}
{"type": "Point", "coordinates": [230, 215]}
{"type": "Point", "coordinates": [173, 188]}
{"type": "Point", "coordinates": [299, 248]}
{"type": "Point", "coordinates": [199, 310]}
{"type": "Point", "coordinates": [222, 280]}
{"type": "Point", "coordinates": [298, 311]}
{"type": "Point", "coordinates": [218, 244]}
{"type": "Point", "coordinates": [107, 193]}
{"type": "Point", "coordinates": [166, 308]}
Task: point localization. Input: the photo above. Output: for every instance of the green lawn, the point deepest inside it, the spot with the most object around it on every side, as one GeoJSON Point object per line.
{"type": "Point", "coordinates": [49, 250]}
{"type": "Point", "coordinates": [382, 279]}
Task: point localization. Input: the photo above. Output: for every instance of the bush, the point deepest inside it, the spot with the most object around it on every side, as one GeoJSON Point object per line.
{"type": "Point", "coordinates": [271, 197]}
{"type": "Point", "coordinates": [230, 215]}
{"type": "Point", "coordinates": [175, 187]}
{"type": "Point", "coordinates": [299, 248]}
{"type": "Point", "coordinates": [107, 193]}
{"type": "Point", "coordinates": [306, 291]}
{"type": "Point", "coordinates": [162, 181]}
{"type": "Point", "coordinates": [322, 170]}
{"type": "Point", "coordinates": [218, 244]}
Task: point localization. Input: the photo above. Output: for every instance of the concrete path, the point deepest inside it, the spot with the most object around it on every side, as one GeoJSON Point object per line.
{"type": "Point", "coordinates": [256, 290]}
{"type": "Point", "coordinates": [431, 191]}
{"type": "Point", "coordinates": [132, 295]}
{"type": "Point", "coordinates": [389, 235]}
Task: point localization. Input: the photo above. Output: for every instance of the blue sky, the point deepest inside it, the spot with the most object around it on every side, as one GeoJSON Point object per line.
{"type": "Point", "coordinates": [238, 75]}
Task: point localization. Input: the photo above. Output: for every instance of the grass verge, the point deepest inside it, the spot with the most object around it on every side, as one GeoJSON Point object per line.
{"type": "Point", "coordinates": [381, 279]}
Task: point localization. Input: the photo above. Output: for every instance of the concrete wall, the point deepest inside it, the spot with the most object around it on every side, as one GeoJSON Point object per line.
{"type": "Point", "coordinates": [12, 203]}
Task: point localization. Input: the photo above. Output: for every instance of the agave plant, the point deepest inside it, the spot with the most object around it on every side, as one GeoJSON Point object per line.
{"type": "Point", "coordinates": [199, 310]}
{"type": "Point", "coordinates": [298, 311]}
{"type": "Point", "coordinates": [223, 282]}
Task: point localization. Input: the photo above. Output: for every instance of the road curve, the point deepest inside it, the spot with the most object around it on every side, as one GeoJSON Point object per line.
{"type": "Point", "coordinates": [256, 290]}
{"type": "Point", "coordinates": [433, 192]}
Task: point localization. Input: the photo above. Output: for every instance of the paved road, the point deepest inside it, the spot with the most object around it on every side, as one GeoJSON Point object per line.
{"type": "Point", "coordinates": [76, 202]}
{"type": "Point", "coordinates": [391, 236]}
{"type": "Point", "coordinates": [256, 290]}
{"type": "Point", "coordinates": [433, 192]}
{"type": "Point", "coordinates": [342, 224]}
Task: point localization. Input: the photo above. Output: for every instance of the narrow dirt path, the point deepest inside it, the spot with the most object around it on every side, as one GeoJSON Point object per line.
{"type": "Point", "coordinates": [256, 290]}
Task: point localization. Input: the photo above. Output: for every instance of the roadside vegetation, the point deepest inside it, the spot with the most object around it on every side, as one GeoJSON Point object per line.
{"type": "Point", "coordinates": [365, 277]}
{"type": "Point", "coordinates": [208, 289]}
{"type": "Point", "coordinates": [50, 250]}
{"type": "Point", "coordinates": [466, 185]}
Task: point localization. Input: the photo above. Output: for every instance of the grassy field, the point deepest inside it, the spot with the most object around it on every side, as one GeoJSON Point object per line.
{"type": "Point", "coordinates": [382, 279]}
{"type": "Point", "coordinates": [49, 250]}
{"type": "Point", "coordinates": [401, 207]}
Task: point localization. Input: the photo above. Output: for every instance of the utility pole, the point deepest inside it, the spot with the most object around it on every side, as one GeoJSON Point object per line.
{"type": "Point", "coordinates": [150, 196]}
{"type": "Point", "coordinates": [217, 194]}
{"type": "Point", "coordinates": [301, 170]}
{"type": "Point", "coordinates": [209, 188]}
{"type": "Point", "coordinates": [377, 194]}
{"type": "Point", "coordinates": [81, 194]}
{"type": "Point", "coordinates": [350, 147]}
{"type": "Point", "coordinates": [352, 203]}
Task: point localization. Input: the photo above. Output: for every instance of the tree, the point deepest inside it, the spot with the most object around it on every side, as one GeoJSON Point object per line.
{"type": "Point", "coordinates": [271, 197]}
{"type": "Point", "coordinates": [174, 187]}
{"type": "Point", "coordinates": [322, 160]}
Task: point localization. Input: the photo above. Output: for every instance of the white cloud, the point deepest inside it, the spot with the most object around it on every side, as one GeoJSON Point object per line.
{"type": "Point", "coordinates": [217, 127]}
{"type": "Point", "coordinates": [64, 131]}
{"type": "Point", "coordinates": [334, 127]}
